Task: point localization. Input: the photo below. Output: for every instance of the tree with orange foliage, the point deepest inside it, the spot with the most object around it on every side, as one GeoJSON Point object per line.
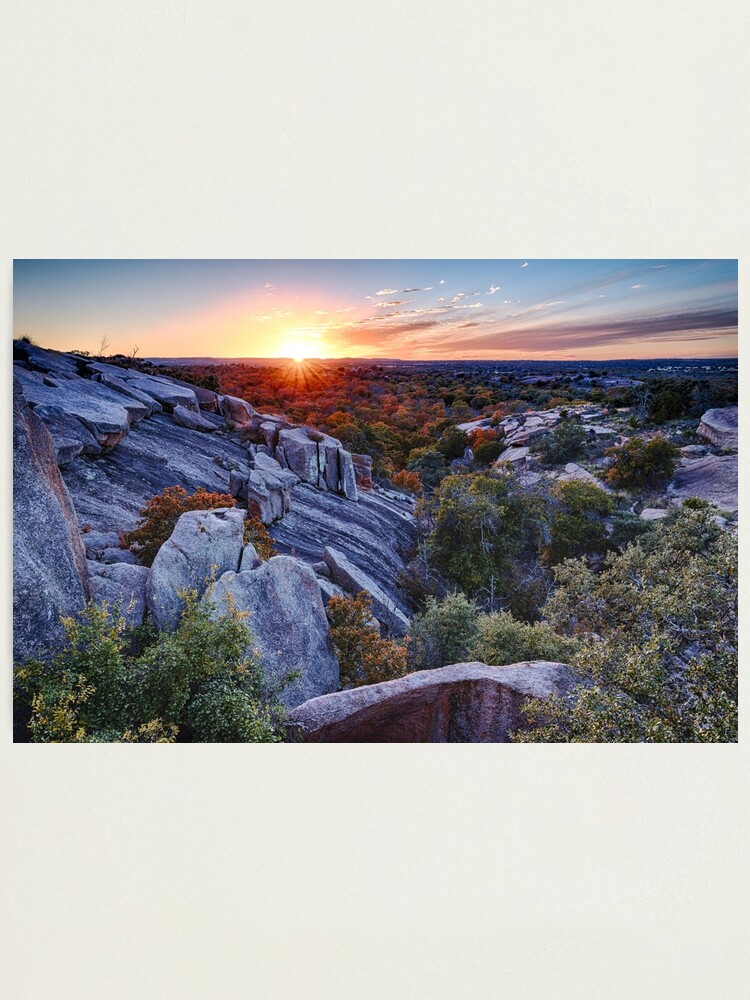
{"type": "Point", "coordinates": [364, 657]}
{"type": "Point", "coordinates": [407, 481]}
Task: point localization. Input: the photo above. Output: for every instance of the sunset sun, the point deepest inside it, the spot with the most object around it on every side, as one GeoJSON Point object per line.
{"type": "Point", "coordinates": [299, 345]}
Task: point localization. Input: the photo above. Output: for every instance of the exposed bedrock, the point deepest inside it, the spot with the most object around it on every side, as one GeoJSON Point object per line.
{"type": "Point", "coordinates": [288, 622]}
{"type": "Point", "coordinates": [50, 576]}
{"type": "Point", "coordinates": [106, 414]}
{"type": "Point", "coordinates": [377, 534]}
{"type": "Point", "coordinates": [203, 545]}
{"type": "Point", "coordinates": [121, 584]}
{"type": "Point", "coordinates": [352, 579]}
{"type": "Point", "coordinates": [463, 703]}
{"type": "Point", "coordinates": [108, 493]}
{"type": "Point", "coordinates": [164, 390]}
{"type": "Point", "coordinates": [713, 478]}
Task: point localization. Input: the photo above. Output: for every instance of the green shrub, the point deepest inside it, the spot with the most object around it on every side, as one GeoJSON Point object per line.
{"type": "Point", "coordinates": [430, 466]}
{"type": "Point", "coordinates": [444, 633]}
{"type": "Point", "coordinates": [452, 443]}
{"type": "Point", "coordinates": [626, 527]}
{"type": "Point", "coordinates": [563, 444]}
{"type": "Point", "coordinates": [503, 639]}
{"type": "Point", "coordinates": [95, 690]}
{"type": "Point", "coordinates": [482, 525]}
{"type": "Point", "coordinates": [487, 452]}
{"type": "Point", "coordinates": [642, 463]}
{"type": "Point", "coordinates": [577, 527]}
{"type": "Point", "coordinates": [658, 632]}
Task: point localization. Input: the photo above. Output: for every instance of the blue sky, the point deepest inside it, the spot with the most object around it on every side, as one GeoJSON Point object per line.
{"type": "Point", "coordinates": [423, 309]}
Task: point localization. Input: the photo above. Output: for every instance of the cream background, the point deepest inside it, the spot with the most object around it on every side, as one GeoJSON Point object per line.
{"type": "Point", "coordinates": [158, 128]}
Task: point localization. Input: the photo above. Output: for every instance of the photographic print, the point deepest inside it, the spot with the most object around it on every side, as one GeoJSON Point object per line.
{"type": "Point", "coordinates": [375, 501]}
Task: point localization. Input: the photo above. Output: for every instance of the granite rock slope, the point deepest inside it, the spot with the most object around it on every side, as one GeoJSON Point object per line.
{"type": "Point", "coordinates": [50, 577]}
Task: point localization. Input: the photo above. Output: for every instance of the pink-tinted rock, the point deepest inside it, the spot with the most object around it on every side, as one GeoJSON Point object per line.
{"type": "Point", "coordinates": [463, 703]}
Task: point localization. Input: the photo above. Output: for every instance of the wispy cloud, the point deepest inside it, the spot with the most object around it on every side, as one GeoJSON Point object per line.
{"type": "Point", "coordinates": [551, 336]}
{"type": "Point", "coordinates": [493, 289]}
{"type": "Point", "coordinates": [387, 291]}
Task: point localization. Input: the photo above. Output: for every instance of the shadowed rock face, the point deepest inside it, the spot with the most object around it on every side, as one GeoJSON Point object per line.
{"type": "Point", "coordinates": [49, 563]}
{"type": "Point", "coordinates": [123, 584]}
{"type": "Point", "coordinates": [463, 703]}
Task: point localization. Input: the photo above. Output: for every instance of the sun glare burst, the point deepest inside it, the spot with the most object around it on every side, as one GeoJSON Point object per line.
{"type": "Point", "coordinates": [299, 345]}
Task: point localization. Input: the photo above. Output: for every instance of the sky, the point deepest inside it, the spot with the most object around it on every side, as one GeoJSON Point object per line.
{"type": "Point", "coordinates": [410, 309]}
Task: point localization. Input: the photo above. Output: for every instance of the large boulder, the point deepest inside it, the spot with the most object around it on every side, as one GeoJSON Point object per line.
{"type": "Point", "coordinates": [719, 426]}
{"type": "Point", "coordinates": [203, 545]}
{"type": "Point", "coordinates": [713, 478]}
{"type": "Point", "coordinates": [267, 493]}
{"type": "Point", "coordinates": [165, 391]}
{"type": "Point", "coordinates": [192, 420]}
{"type": "Point", "coordinates": [318, 459]}
{"type": "Point", "coordinates": [235, 410]}
{"type": "Point", "coordinates": [353, 579]}
{"type": "Point", "coordinates": [288, 623]}
{"type": "Point", "coordinates": [50, 577]}
{"type": "Point", "coordinates": [121, 584]}
{"type": "Point", "coordinates": [463, 703]}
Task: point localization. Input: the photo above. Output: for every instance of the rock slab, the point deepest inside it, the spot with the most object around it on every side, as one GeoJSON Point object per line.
{"type": "Point", "coordinates": [713, 478]}
{"type": "Point", "coordinates": [463, 703]}
{"type": "Point", "coordinates": [353, 579]}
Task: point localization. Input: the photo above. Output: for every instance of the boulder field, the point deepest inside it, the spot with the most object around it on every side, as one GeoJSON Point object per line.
{"type": "Point", "coordinates": [93, 442]}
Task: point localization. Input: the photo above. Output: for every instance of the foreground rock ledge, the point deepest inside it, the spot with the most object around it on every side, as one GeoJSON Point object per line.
{"type": "Point", "coordinates": [463, 703]}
